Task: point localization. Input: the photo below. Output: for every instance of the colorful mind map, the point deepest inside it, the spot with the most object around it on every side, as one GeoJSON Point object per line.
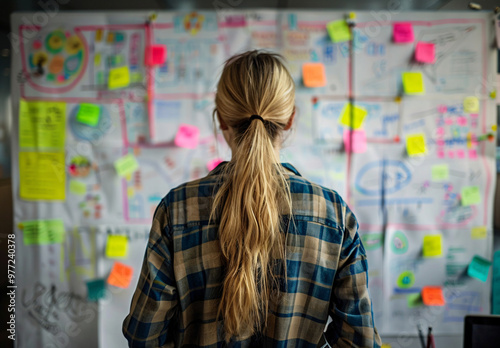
{"type": "Point", "coordinates": [114, 110]}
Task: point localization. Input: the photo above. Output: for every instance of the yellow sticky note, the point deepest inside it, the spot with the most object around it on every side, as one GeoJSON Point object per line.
{"type": "Point", "coordinates": [118, 77]}
{"type": "Point", "coordinates": [440, 172]}
{"type": "Point", "coordinates": [42, 176]}
{"type": "Point", "coordinates": [97, 59]}
{"type": "Point", "coordinates": [313, 75]}
{"type": "Point", "coordinates": [339, 31]}
{"type": "Point", "coordinates": [386, 345]}
{"type": "Point", "coordinates": [77, 187]}
{"type": "Point", "coordinates": [42, 125]}
{"type": "Point", "coordinates": [37, 232]}
{"type": "Point", "coordinates": [471, 105]}
{"type": "Point", "coordinates": [413, 83]}
{"type": "Point", "coordinates": [432, 246]}
{"type": "Point", "coordinates": [130, 192]}
{"type": "Point", "coordinates": [358, 116]}
{"type": "Point", "coordinates": [479, 232]}
{"type": "Point", "coordinates": [470, 195]}
{"type": "Point", "coordinates": [117, 247]}
{"type": "Point", "coordinates": [415, 145]}
{"type": "Point", "coordinates": [126, 165]}
{"type": "Point", "coordinates": [88, 114]}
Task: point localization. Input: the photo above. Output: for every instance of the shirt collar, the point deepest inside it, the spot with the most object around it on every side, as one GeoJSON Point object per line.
{"type": "Point", "coordinates": [285, 165]}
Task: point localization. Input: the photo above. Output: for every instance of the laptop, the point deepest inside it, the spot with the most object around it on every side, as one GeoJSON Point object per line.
{"type": "Point", "coordinates": [482, 331]}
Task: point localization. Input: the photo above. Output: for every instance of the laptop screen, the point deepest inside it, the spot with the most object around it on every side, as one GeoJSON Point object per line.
{"type": "Point", "coordinates": [482, 331]}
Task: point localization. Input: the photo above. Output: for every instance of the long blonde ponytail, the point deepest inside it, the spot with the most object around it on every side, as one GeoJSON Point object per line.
{"type": "Point", "coordinates": [254, 194]}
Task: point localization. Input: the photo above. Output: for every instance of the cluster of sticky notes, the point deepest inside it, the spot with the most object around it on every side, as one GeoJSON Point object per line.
{"type": "Point", "coordinates": [439, 172]}
{"type": "Point", "coordinates": [402, 32]}
{"type": "Point", "coordinates": [120, 275]}
{"type": "Point", "coordinates": [126, 165]}
{"type": "Point", "coordinates": [413, 82]}
{"type": "Point", "coordinates": [471, 104]}
{"type": "Point", "coordinates": [96, 289]}
{"type": "Point", "coordinates": [37, 232]}
{"type": "Point", "coordinates": [116, 247]}
{"type": "Point", "coordinates": [479, 268]}
{"type": "Point", "coordinates": [155, 55]}
{"type": "Point", "coordinates": [313, 75]}
{"type": "Point", "coordinates": [433, 296]}
{"type": "Point", "coordinates": [479, 232]}
{"type": "Point", "coordinates": [212, 164]}
{"type": "Point", "coordinates": [187, 136]}
{"type": "Point", "coordinates": [432, 246]}
{"type": "Point", "coordinates": [425, 52]}
{"type": "Point", "coordinates": [352, 116]}
{"type": "Point", "coordinates": [118, 77]}
{"type": "Point", "coordinates": [339, 31]}
{"type": "Point", "coordinates": [470, 195]}
{"type": "Point", "coordinates": [415, 145]}
{"type": "Point", "coordinates": [88, 114]}
{"type": "Point", "coordinates": [77, 187]}
{"type": "Point", "coordinates": [355, 140]}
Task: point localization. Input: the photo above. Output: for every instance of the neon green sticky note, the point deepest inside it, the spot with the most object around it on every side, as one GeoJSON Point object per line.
{"type": "Point", "coordinates": [118, 77]}
{"type": "Point", "coordinates": [479, 232]}
{"type": "Point", "coordinates": [37, 232]}
{"type": "Point", "coordinates": [471, 105]}
{"type": "Point", "coordinates": [339, 31]}
{"type": "Point", "coordinates": [126, 165]}
{"type": "Point", "coordinates": [414, 300]}
{"type": "Point", "coordinates": [42, 176]}
{"type": "Point", "coordinates": [117, 247]}
{"type": "Point", "coordinates": [77, 187]}
{"type": "Point", "coordinates": [358, 116]}
{"type": "Point", "coordinates": [479, 268]}
{"type": "Point", "coordinates": [413, 83]}
{"type": "Point", "coordinates": [440, 172]}
{"type": "Point", "coordinates": [415, 145]}
{"type": "Point", "coordinates": [432, 246]}
{"type": "Point", "coordinates": [471, 195]}
{"type": "Point", "coordinates": [88, 114]}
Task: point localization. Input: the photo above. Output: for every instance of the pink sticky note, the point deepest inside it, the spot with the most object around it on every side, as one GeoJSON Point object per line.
{"type": "Point", "coordinates": [472, 154]}
{"type": "Point", "coordinates": [425, 52]}
{"type": "Point", "coordinates": [187, 136]}
{"type": "Point", "coordinates": [448, 121]}
{"type": "Point", "coordinates": [440, 131]}
{"type": "Point", "coordinates": [358, 140]}
{"type": "Point", "coordinates": [442, 109]}
{"type": "Point", "coordinates": [440, 154]}
{"type": "Point", "coordinates": [213, 163]}
{"type": "Point", "coordinates": [60, 78]}
{"type": "Point", "coordinates": [460, 153]}
{"type": "Point", "coordinates": [440, 142]}
{"type": "Point", "coordinates": [462, 121]}
{"type": "Point", "coordinates": [402, 32]}
{"type": "Point", "coordinates": [451, 154]}
{"type": "Point", "coordinates": [155, 55]}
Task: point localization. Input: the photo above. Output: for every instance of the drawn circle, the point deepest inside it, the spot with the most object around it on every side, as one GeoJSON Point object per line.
{"type": "Point", "coordinates": [388, 176]}
{"type": "Point", "coordinates": [73, 45]}
{"type": "Point", "coordinates": [54, 42]}
{"type": "Point", "coordinates": [80, 167]}
{"type": "Point", "coordinates": [85, 132]}
{"type": "Point", "coordinates": [73, 63]}
{"type": "Point", "coordinates": [399, 243]}
{"type": "Point", "coordinates": [56, 65]}
{"type": "Point", "coordinates": [406, 280]}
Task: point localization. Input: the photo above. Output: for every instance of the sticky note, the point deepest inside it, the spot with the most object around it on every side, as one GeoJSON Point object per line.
{"type": "Point", "coordinates": [118, 77]}
{"type": "Point", "coordinates": [356, 138]}
{"type": "Point", "coordinates": [212, 164]}
{"type": "Point", "coordinates": [155, 55]}
{"type": "Point", "coordinates": [42, 125]}
{"type": "Point", "coordinates": [470, 195]}
{"type": "Point", "coordinates": [433, 296]}
{"type": "Point", "coordinates": [471, 104]}
{"type": "Point", "coordinates": [77, 187]}
{"type": "Point", "coordinates": [96, 289]}
{"type": "Point", "coordinates": [42, 176]}
{"type": "Point", "coordinates": [130, 191]}
{"type": "Point", "coordinates": [414, 300]}
{"type": "Point", "coordinates": [479, 268]}
{"type": "Point", "coordinates": [126, 165]}
{"type": "Point", "coordinates": [121, 275]}
{"type": "Point", "coordinates": [88, 114]}
{"type": "Point", "coordinates": [117, 247]}
{"type": "Point", "coordinates": [415, 145]}
{"type": "Point", "coordinates": [495, 285]}
{"type": "Point", "coordinates": [98, 35]}
{"type": "Point", "coordinates": [440, 172]}
{"type": "Point", "coordinates": [402, 32]}
{"type": "Point", "coordinates": [187, 136]}
{"type": "Point", "coordinates": [432, 246]}
{"type": "Point", "coordinates": [413, 83]}
{"type": "Point", "coordinates": [36, 232]}
{"type": "Point", "coordinates": [339, 31]}
{"type": "Point", "coordinates": [358, 116]}
{"type": "Point", "coordinates": [479, 232]}
{"type": "Point", "coordinates": [425, 52]}
{"type": "Point", "coordinates": [97, 59]}
{"type": "Point", "coordinates": [313, 75]}
{"type": "Point", "coordinates": [386, 345]}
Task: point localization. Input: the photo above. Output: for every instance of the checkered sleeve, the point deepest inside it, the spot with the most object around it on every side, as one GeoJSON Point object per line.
{"type": "Point", "coordinates": [350, 306]}
{"type": "Point", "coordinates": [155, 299]}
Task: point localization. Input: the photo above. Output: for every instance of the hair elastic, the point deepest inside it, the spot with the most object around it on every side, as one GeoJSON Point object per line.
{"type": "Point", "coordinates": [253, 117]}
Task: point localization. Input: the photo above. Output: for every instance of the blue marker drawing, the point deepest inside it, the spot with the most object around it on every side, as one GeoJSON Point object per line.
{"type": "Point", "coordinates": [391, 175]}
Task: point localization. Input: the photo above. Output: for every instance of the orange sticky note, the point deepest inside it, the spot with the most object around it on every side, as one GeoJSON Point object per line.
{"type": "Point", "coordinates": [313, 75]}
{"type": "Point", "coordinates": [121, 275]}
{"type": "Point", "coordinates": [433, 296]}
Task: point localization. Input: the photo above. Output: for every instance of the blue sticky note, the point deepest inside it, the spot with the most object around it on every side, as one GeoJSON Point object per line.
{"type": "Point", "coordinates": [479, 268]}
{"type": "Point", "coordinates": [495, 308]}
{"type": "Point", "coordinates": [96, 289]}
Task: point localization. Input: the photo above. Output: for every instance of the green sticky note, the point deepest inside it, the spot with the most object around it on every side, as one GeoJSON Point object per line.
{"type": "Point", "coordinates": [77, 187]}
{"type": "Point", "coordinates": [414, 300]}
{"type": "Point", "coordinates": [88, 114]}
{"type": "Point", "coordinates": [96, 289]}
{"type": "Point", "coordinates": [470, 195]}
{"type": "Point", "coordinates": [415, 145]}
{"type": "Point", "coordinates": [37, 232]}
{"type": "Point", "coordinates": [479, 268]}
{"type": "Point", "coordinates": [432, 246]}
{"type": "Point", "coordinates": [118, 77]}
{"type": "Point", "coordinates": [495, 284]}
{"type": "Point", "coordinates": [358, 116]}
{"type": "Point", "coordinates": [339, 31]}
{"type": "Point", "coordinates": [126, 165]}
{"type": "Point", "coordinates": [440, 172]}
{"type": "Point", "coordinates": [413, 83]}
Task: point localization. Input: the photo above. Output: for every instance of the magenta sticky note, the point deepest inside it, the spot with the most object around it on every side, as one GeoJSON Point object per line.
{"type": "Point", "coordinates": [460, 153]}
{"type": "Point", "coordinates": [187, 136]}
{"type": "Point", "coordinates": [472, 154]}
{"type": "Point", "coordinates": [440, 131]}
{"type": "Point", "coordinates": [440, 154]}
{"type": "Point", "coordinates": [425, 52]}
{"type": "Point", "coordinates": [442, 109]}
{"type": "Point", "coordinates": [358, 140]}
{"type": "Point", "coordinates": [213, 163]}
{"type": "Point", "coordinates": [462, 121]}
{"type": "Point", "coordinates": [451, 154]}
{"type": "Point", "coordinates": [440, 142]}
{"type": "Point", "coordinates": [155, 55]}
{"type": "Point", "coordinates": [448, 121]}
{"type": "Point", "coordinates": [402, 32]}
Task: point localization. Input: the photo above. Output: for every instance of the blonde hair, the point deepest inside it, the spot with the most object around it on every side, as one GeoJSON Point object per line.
{"type": "Point", "coordinates": [254, 194]}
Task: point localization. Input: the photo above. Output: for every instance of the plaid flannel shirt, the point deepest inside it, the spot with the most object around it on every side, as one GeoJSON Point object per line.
{"type": "Point", "coordinates": [177, 296]}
